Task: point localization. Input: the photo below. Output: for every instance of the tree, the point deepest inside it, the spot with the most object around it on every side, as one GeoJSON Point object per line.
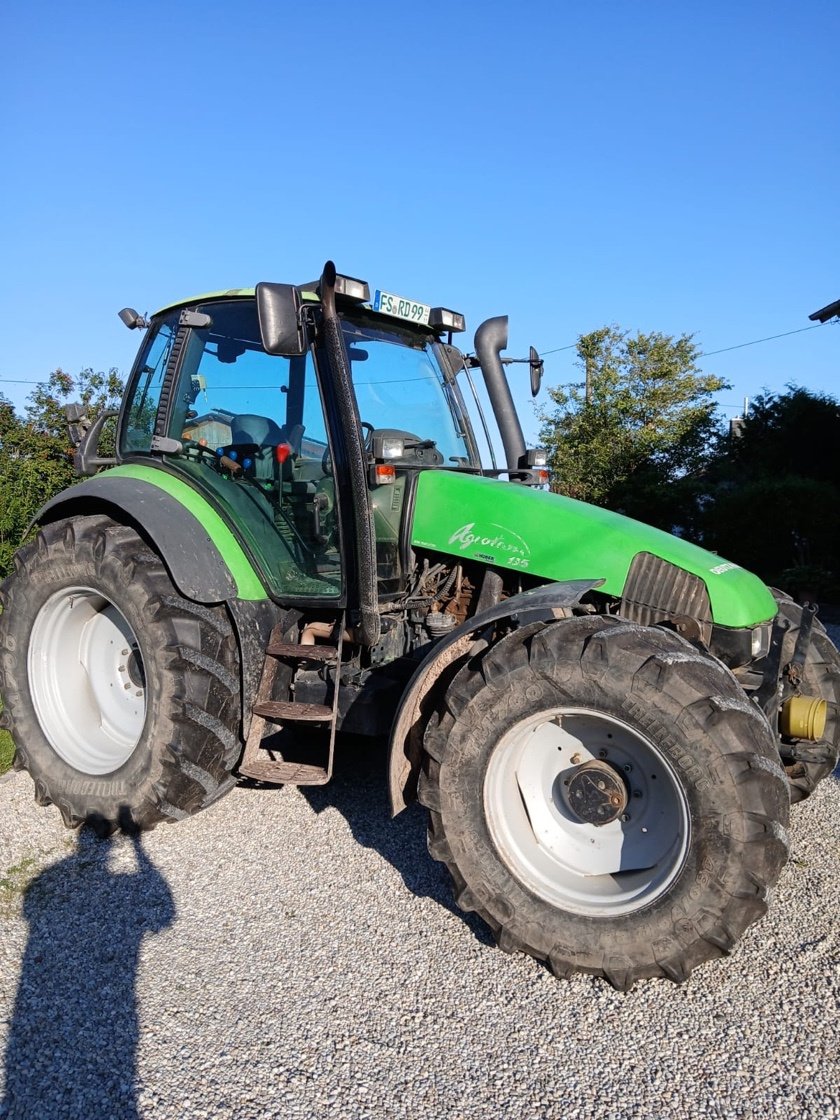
{"type": "Point", "coordinates": [36, 456]}
{"type": "Point", "coordinates": [795, 432]}
{"type": "Point", "coordinates": [775, 492]}
{"type": "Point", "coordinates": [636, 433]}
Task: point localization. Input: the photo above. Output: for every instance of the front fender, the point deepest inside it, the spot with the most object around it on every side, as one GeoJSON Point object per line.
{"type": "Point", "coordinates": [419, 699]}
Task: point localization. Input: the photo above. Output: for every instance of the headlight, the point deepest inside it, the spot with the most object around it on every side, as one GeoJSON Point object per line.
{"type": "Point", "coordinates": [760, 641]}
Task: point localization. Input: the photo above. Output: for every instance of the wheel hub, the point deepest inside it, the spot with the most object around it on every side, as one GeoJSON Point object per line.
{"type": "Point", "coordinates": [595, 793]}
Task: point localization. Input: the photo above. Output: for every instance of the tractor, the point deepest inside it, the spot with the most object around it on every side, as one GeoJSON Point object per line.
{"type": "Point", "coordinates": [303, 531]}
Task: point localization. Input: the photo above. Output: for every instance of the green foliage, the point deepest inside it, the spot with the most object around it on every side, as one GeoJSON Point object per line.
{"type": "Point", "coordinates": [775, 492]}
{"type": "Point", "coordinates": [633, 435]}
{"type": "Point", "coordinates": [36, 456]}
{"type": "Point", "coordinates": [793, 433]}
{"type": "Point", "coordinates": [14, 881]}
{"type": "Point", "coordinates": [7, 751]}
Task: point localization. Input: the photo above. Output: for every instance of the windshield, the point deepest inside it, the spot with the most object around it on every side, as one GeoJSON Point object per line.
{"type": "Point", "coordinates": [400, 386]}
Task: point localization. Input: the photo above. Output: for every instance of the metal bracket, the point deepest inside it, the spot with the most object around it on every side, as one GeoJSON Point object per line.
{"type": "Point", "coordinates": [795, 669]}
{"type": "Point", "coordinates": [767, 695]}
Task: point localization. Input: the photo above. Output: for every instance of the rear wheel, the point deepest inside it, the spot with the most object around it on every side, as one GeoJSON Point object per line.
{"type": "Point", "coordinates": [122, 696]}
{"type": "Point", "coordinates": [606, 799]}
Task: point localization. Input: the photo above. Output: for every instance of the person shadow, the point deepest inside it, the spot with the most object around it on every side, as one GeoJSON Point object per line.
{"type": "Point", "coordinates": [72, 1045]}
{"type": "Point", "coordinates": [359, 791]}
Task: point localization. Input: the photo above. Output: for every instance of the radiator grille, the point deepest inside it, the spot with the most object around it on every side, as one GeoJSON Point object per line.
{"type": "Point", "coordinates": [656, 591]}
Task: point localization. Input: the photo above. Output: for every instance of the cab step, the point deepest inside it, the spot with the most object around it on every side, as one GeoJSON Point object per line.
{"type": "Point", "coordinates": [287, 650]}
{"type": "Point", "coordinates": [262, 761]}
{"type": "Point", "coordinates": [277, 772]}
{"type": "Point", "coordinates": [289, 710]}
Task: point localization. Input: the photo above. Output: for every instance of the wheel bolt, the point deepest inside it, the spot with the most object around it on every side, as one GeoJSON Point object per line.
{"type": "Point", "coordinates": [637, 793]}
{"type": "Point", "coordinates": [575, 759]}
{"type": "Point", "coordinates": [602, 754]}
{"type": "Point", "coordinates": [628, 769]}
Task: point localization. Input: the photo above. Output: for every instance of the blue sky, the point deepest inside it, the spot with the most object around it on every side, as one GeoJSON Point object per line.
{"type": "Point", "coordinates": [661, 166]}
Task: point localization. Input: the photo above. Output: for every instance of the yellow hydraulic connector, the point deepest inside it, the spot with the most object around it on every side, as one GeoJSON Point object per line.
{"type": "Point", "coordinates": [803, 717]}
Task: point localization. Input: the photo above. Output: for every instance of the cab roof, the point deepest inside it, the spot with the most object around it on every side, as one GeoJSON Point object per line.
{"type": "Point", "coordinates": [230, 293]}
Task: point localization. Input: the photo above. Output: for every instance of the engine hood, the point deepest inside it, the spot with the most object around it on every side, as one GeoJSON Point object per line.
{"type": "Point", "coordinates": [557, 538]}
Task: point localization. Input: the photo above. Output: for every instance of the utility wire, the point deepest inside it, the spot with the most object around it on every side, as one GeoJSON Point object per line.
{"type": "Point", "coordinates": [769, 338]}
{"type": "Point", "coordinates": [711, 353]}
{"type": "Point", "coordinates": [571, 346]}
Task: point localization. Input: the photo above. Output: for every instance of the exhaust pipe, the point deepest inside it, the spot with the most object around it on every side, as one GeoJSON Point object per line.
{"type": "Point", "coordinates": [490, 339]}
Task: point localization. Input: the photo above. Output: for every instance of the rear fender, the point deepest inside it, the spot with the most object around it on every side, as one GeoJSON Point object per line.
{"type": "Point", "coordinates": [425, 689]}
{"type": "Point", "coordinates": [203, 568]}
{"type": "Point", "coordinates": [192, 557]}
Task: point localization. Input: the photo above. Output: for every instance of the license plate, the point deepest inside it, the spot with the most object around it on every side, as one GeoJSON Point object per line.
{"type": "Point", "coordinates": [389, 304]}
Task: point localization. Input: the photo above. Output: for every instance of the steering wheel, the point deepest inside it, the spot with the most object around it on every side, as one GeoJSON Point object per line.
{"type": "Point", "coordinates": [326, 459]}
{"type": "Point", "coordinates": [195, 449]}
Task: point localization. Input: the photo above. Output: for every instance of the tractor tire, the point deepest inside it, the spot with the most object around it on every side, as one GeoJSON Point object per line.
{"type": "Point", "coordinates": [122, 697]}
{"type": "Point", "coordinates": [821, 677]}
{"type": "Point", "coordinates": [685, 805]}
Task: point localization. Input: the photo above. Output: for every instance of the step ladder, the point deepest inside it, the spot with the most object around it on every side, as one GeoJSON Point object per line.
{"type": "Point", "coordinates": [263, 763]}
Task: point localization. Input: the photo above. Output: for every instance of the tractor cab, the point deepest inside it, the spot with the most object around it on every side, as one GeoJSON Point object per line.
{"type": "Point", "coordinates": [259, 431]}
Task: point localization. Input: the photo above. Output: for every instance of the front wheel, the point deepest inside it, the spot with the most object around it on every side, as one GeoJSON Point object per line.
{"type": "Point", "coordinates": [605, 797]}
{"type": "Point", "coordinates": [820, 678]}
{"type": "Point", "coordinates": [122, 697]}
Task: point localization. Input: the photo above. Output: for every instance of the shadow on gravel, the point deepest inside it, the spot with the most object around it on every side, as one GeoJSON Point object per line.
{"type": "Point", "coordinates": [73, 1038]}
{"type": "Point", "coordinates": [359, 791]}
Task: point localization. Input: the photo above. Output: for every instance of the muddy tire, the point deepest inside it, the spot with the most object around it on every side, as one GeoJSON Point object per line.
{"type": "Point", "coordinates": [821, 677]}
{"type": "Point", "coordinates": [122, 697]}
{"type": "Point", "coordinates": [682, 832]}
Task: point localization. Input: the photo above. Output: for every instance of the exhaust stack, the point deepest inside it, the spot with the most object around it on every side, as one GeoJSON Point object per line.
{"type": "Point", "coordinates": [490, 339]}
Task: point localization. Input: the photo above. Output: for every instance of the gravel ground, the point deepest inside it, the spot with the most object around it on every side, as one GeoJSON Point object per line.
{"type": "Point", "coordinates": [292, 953]}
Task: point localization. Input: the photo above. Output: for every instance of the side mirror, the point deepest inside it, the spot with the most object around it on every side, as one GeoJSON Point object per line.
{"type": "Point", "coordinates": [132, 319]}
{"type": "Point", "coordinates": [281, 329]}
{"type": "Point", "coordinates": [536, 363]}
{"type": "Point", "coordinates": [76, 422]}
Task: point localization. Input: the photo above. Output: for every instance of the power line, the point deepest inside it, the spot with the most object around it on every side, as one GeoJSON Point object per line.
{"type": "Point", "coordinates": [571, 346]}
{"type": "Point", "coordinates": [711, 353]}
{"type": "Point", "coordinates": [557, 350]}
{"type": "Point", "coordinates": [756, 341]}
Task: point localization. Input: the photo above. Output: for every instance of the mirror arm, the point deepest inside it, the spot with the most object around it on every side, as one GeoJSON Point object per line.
{"type": "Point", "coordinates": [86, 461]}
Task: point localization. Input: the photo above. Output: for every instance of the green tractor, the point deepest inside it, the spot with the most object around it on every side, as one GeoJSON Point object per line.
{"type": "Point", "coordinates": [296, 535]}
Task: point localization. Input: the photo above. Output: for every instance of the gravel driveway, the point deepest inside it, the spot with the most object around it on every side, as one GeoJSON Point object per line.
{"type": "Point", "coordinates": [296, 953]}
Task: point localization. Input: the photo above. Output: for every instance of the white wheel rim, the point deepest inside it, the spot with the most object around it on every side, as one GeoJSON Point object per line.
{"type": "Point", "coordinates": [86, 680]}
{"type": "Point", "coordinates": [596, 870]}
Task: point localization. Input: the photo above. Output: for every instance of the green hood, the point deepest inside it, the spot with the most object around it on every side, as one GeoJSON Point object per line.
{"type": "Point", "coordinates": [558, 538]}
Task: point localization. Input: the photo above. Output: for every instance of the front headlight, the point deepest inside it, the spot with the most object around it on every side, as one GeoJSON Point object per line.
{"type": "Point", "coordinates": [760, 641]}
{"type": "Point", "coordinates": [738, 648]}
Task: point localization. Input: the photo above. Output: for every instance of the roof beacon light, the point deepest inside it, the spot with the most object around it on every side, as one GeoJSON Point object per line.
{"type": "Point", "coordinates": [441, 318]}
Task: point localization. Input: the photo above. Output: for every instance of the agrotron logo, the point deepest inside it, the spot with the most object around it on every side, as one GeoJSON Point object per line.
{"type": "Point", "coordinates": [514, 549]}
